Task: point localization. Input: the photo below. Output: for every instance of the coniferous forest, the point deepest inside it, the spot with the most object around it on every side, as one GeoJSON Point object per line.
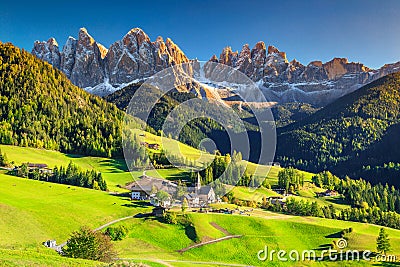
{"type": "Point", "coordinates": [40, 107]}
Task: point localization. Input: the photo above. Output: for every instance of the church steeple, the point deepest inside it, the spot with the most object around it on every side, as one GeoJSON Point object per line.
{"type": "Point", "coordinates": [198, 183]}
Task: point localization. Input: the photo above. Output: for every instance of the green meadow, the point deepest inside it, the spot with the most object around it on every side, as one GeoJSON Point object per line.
{"type": "Point", "coordinates": [149, 239]}
{"type": "Point", "coordinates": [114, 171]}
{"type": "Point", "coordinates": [32, 212]}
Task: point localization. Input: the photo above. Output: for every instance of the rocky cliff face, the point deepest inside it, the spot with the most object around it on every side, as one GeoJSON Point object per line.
{"type": "Point", "coordinates": [101, 71]}
{"type": "Point", "coordinates": [316, 83]}
{"type": "Point", "coordinates": [135, 57]}
{"type": "Point", "coordinates": [48, 51]}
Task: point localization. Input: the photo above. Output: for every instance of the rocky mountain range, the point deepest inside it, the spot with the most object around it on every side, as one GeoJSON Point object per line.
{"type": "Point", "coordinates": [101, 71]}
{"type": "Point", "coordinates": [316, 83]}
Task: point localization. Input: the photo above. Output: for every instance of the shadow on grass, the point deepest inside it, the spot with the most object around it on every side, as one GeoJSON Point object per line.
{"type": "Point", "coordinates": [124, 195]}
{"type": "Point", "coordinates": [178, 176]}
{"type": "Point", "coordinates": [323, 247]}
{"type": "Point", "coordinates": [335, 235]}
{"type": "Point", "coordinates": [75, 156]}
{"type": "Point", "coordinates": [190, 232]}
{"type": "Point", "coordinates": [337, 200]}
{"type": "Point", "coordinates": [114, 165]}
{"type": "Point", "coordinates": [137, 204]}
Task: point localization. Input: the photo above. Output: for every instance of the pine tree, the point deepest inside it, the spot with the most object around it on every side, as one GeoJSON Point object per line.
{"type": "Point", "coordinates": [382, 242]}
{"type": "Point", "coordinates": [185, 204]}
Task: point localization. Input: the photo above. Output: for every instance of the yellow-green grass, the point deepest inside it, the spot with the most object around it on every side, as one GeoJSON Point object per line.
{"type": "Point", "coordinates": [150, 239]}
{"type": "Point", "coordinates": [309, 194]}
{"type": "Point", "coordinates": [114, 171]}
{"type": "Point", "coordinates": [170, 174]}
{"type": "Point", "coordinates": [176, 148]}
{"type": "Point", "coordinates": [246, 193]}
{"type": "Point", "coordinates": [32, 212]}
{"type": "Point", "coordinates": [40, 257]}
{"type": "Point", "coordinates": [306, 194]}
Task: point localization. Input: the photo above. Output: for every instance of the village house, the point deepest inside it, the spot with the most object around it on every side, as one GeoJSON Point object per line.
{"type": "Point", "coordinates": [328, 193]}
{"type": "Point", "coordinates": [41, 167]}
{"type": "Point", "coordinates": [50, 243]}
{"type": "Point", "coordinates": [154, 146]}
{"type": "Point", "coordinates": [277, 200]}
{"type": "Point", "coordinates": [202, 195]}
{"type": "Point", "coordinates": [147, 187]}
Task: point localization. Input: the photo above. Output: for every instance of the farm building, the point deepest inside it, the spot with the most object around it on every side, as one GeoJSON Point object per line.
{"type": "Point", "coordinates": [146, 186]}
{"type": "Point", "coordinates": [328, 193]}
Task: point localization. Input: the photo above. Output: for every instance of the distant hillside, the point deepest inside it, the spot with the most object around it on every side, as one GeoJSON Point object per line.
{"type": "Point", "coordinates": [285, 114]}
{"type": "Point", "coordinates": [40, 107]}
{"type": "Point", "coordinates": [357, 130]}
{"type": "Point", "coordinates": [195, 130]}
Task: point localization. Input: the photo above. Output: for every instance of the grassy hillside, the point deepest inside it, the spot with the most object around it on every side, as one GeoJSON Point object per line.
{"type": "Point", "coordinates": [114, 171]}
{"type": "Point", "coordinates": [40, 257]}
{"type": "Point", "coordinates": [152, 239]}
{"type": "Point", "coordinates": [334, 137]}
{"type": "Point", "coordinates": [33, 211]}
{"type": "Point", "coordinates": [36, 206]}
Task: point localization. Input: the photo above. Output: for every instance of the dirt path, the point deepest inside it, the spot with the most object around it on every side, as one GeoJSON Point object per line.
{"type": "Point", "coordinates": [209, 242]}
{"type": "Point", "coordinates": [165, 262]}
{"type": "Point", "coordinates": [112, 222]}
{"type": "Point", "coordinates": [60, 246]}
{"type": "Point", "coordinates": [223, 230]}
{"type": "Point", "coordinates": [216, 226]}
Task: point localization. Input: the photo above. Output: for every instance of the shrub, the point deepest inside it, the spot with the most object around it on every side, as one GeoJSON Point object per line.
{"type": "Point", "coordinates": [91, 245]}
{"type": "Point", "coordinates": [117, 233]}
{"type": "Point", "coordinates": [170, 218]}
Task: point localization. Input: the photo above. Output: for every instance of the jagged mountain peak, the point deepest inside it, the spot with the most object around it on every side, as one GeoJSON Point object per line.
{"type": "Point", "coordinates": [101, 71]}
{"type": "Point", "coordinates": [245, 49]}
{"type": "Point", "coordinates": [160, 39]}
{"type": "Point", "coordinates": [136, 31]}
{"type": "Point", "coordinates": [48, 51]}
{"type": "Point", "coordinates": [52, 41]}
{"type": "Point", "coordinates": [316, 63]}
{"type": "Point", "coordinates": [135, 57]}
{"type": "Point", "coordinates": [272, 49]}
{"type": "Point", "coordinates": [214, 58]}
{"type": "Point", "coordinates": [282, 81]}
{"type": "Point", "coordinates": [260, 46]}
{"type": "Point", "coordinates": [136, 35]}
{"type": "Point", "coordinates": [103, 50]}
{"type": "Point", "coordinates": [85, 37]}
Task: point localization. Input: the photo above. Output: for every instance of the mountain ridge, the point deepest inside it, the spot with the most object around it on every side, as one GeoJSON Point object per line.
{"type": "Point", "coordinates": [135, 57]}
{"type": "Point", "coordinates": [101, 71]}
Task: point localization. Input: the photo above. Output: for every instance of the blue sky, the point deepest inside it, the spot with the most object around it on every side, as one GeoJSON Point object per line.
{"type": "Point", "coordinates": [364, 31]}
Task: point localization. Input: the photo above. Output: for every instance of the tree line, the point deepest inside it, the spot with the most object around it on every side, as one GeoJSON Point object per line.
{"type": "Point", "coordinates": [70, 175]}
{"type": "Point", "coordinates": [360, 193]}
